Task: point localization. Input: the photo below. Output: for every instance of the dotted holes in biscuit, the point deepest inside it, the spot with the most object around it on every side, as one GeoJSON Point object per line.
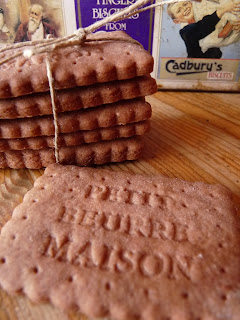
{"type": "Point", "coordinates": [13, 237]}
{"type": "Point", "coordinates": [184, 205]}
{"type": "Point", "coordinates": [220, 245]}
{"type": "Point", "coordinates": [146, 292]}
{"type": "Point", "coordinates": [223, 297]}
{"type": "Point", "coordinates": [219, 227]}
{"type": "Point", "coordinates": [184, 295]}
{"type": "Point", "coordinates": [2, 260]}
{"type": "Point", "coordinates": [35, 270]}
{"type": "Point", "coordinates": [70, 279]}
{"type": "Point", "coordinates": [24, 217]}
{"type": "Point", "coordinates": [108, 286]}
{"type": "Point", "coordinates": [20, 291]}
{"type": "Point", "coordinates": [222, 270]}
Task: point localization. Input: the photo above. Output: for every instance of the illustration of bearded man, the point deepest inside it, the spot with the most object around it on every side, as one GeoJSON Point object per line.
{"type": "Point", "coordinates": [36, 28]}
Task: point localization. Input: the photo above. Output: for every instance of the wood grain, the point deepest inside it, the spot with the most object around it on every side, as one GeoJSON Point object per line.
{"type": "Point", "coordinates": [194, 136]}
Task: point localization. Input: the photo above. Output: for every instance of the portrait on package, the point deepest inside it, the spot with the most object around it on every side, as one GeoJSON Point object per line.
{"type": "Point", "coordinates": [26, 20]}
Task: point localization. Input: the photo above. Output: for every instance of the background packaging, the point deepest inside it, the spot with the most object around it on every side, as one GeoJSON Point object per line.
{"type": "Point", "coordinates": [154, 29]}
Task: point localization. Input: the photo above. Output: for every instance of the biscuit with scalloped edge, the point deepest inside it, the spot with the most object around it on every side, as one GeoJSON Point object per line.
{"type": "Point", "coordinates": [77, 98]}
{"type": "Point", "coordinates": [80, 65]}
{"type": "Point", "coordinates": [124, 246]}
{"type": "Point", "coordinates": [88, 154]}
{"type": "Point", "coordinates": [118, 113]}
{"type": "Point", "coordinates": [76, 138]}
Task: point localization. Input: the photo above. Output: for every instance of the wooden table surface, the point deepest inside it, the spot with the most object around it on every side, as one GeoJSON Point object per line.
{"type": "Point", "coordinates": [195, 136]}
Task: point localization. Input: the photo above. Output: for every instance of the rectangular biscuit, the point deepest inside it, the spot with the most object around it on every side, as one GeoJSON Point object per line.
{"type": "Point", "coordinates": [77, 98]}
{"type": "Point", "coordinates": [123, 246]}
{"type": "Point", "coordinates": [78, 65]}
{"type": "Point", "coordinates": [121, 112]}
{"type": "Point", "coordinates": [76, 138]}
{"type": "Point", "coordinates": [100, 152]}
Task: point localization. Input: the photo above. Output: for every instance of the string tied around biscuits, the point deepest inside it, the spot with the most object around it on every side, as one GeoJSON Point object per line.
{"type": "Point", "coordinates": [79, 37]}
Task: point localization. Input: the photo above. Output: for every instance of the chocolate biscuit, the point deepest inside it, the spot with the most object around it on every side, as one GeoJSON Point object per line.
{"type": "Point", "coordinates": [100, 152]}
{"type": "Point", "coordinates": [76, 138]}
{"type": "Point", "coordinates": [77, 98]}
{"type": "Point", "coordinates": [79, 65]}
{"type": "Point", "coordinates": [123, 246]}
{"type": "Point", "coordinates": [118, 113]}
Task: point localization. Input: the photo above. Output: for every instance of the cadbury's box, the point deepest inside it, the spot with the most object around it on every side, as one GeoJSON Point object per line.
{"type": "Point", "coordinates": [175, 67]}
{"type": "Point", "coordinates": [195, 50]}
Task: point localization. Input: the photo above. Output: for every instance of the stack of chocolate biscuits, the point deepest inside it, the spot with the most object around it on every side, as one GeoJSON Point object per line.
{"type": "Point", "coordinates": [99, 93]}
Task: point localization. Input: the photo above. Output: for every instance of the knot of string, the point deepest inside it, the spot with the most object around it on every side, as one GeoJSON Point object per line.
{"type": "Point", "coordinates": [81, 34]}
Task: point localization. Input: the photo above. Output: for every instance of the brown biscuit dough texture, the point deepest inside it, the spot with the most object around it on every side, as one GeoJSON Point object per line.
{"type": "Point", "coordinates": [121, 112]}
{"type": "Point", "coordinates": [77, 98]}
{"type": "Point", "coordinates": [76, 138]}
{"type": "Point", "coordinates": [100, 152]}
{"type": "Point", "coordinates": [123, 246]}
{"type": "Point", "coordinates": [78, 65]}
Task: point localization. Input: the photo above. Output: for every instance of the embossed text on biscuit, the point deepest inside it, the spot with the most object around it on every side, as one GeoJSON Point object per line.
{"type": "Point", "coordinates": [91, 254]}
{"type": "Point", "coordinates": [127, 196]}
{"type": "Point", "coordinates": [138, 226]}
